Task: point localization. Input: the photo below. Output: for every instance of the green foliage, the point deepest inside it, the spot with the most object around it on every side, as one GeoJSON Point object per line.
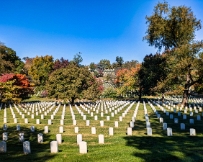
{"type": "Point", "coordinates": [109, 93]}
{"type": "Point", "coordinates": [153, 70]}
{"type": "Point", "coordinates": [77, 59]}
{"type": "Point", "coordinates": [9, 61]}
{"type": "Point", "coordinates": [119, 61]}
{"type": "Point", "coordinates": [173, 28]}
{"type": "Point", "coordinates": [40, 69]}
{"type": "Point", "coordinates": [105, 64]}
{"type": "Point", "coordinates": [70, 83]}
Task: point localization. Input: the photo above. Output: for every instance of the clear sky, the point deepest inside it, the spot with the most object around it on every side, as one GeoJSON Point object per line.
{"type": "Point", "coordinates": [99, 29]}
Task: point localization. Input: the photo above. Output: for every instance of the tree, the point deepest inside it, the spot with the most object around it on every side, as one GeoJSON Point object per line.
{"type": "Point", "coordinates": [9, 61]}
{"type": "Point", "coordinates": [92, 66]}
{"type": "Point", "coordinates": [172, 29]}
{"type": "Point", "coordinates": [62, 63]}
{"type": "Point", "coordinates": [104, 64]}
{"type": "Point", "coordinates": [40, 70]}
{"type": "Point", "coordinates": [14, 87]}
{"type": "Point", "coordinates": [77, 59]}
{"type": "Point", "coordinates": [70, 83]}
{"type": "Point", "coordinates": [153, 71]}
{"type": "Point", "coordinates": [127, 80]}
{"type": "Point", "coordinates": [119, 61]}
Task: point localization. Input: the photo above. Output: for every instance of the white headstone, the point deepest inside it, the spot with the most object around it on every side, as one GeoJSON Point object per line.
{"type": "Point", "coordinates": [198, 117]}
{"type": "Point", "coordinates": [32, 128]}
{"type": "Point", "coordinates": [46, 129]}
{"type": "Point", "coordinates": [169, 132]}
{"type": "Point", "coordinates": [54, 146]}
{"type": "Point", "coordinates": [129, 131]}
{"type": "Point", "coordinates": [116, 124]}
{"type": "Point", "coordinates": [192, 132]}
{"type": "Point", "coordinates": [74, 122]}
{"type": "Point", "coordinates": [21, 137]}
{"type": "Point", "coordinates": [87, 122]}
{"type": "Point", "coordinates": [101, 138]}
{"type": "Point", "coordinates": [149, 131]}
{"type": "Point", "coordinates": [184, 116]}
{"type": "Point", "coordinates": [161, 120]}
{"type": "Point", "coordinates": [26, 120]}
{"type": "Point", "coordinates": [171, 116]}
{"type": "Point", "coordinates": [49, 122]}
{"type": "Point", "coordinates": [191, 121]}
{"type": "Point", "coordinates": [111, 131]}
{"type": "Point", "coordinates": [37, 121]}
{"type": "Point", "coordinates": [101, 123]}
{"type": "Point", "coordinates": [76, 129]}
{"type": "Point", "coordinates": [40, 138]}
{"type": "Point", "coordinates": [176, 120]}
{"type": "Point", "coordinates": [18, 127]}
{"type": "Point", "coordinates": [83, 147]}
{"type": "Point", "coordinates": [5, 136]}
{"type": "Point", "coordinates": [61, 129]}
{"type": "Point", "coordinates": [79, 138]}
{"type": "Point", "coordinates": [59, 138]}
{"type": "Point", "coordinates": [93, 130]}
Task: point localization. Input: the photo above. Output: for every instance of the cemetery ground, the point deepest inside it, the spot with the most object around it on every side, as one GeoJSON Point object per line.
{"type": "Point", "coordinates": [119, 146]}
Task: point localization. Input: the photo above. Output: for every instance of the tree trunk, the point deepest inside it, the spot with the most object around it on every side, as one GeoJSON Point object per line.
{"type": "Point", "coordinates": [140, 94]}
{"type": "Point", "coordinates": [185, 98]}
{"type": "Point", "coordinates": [72, 101]}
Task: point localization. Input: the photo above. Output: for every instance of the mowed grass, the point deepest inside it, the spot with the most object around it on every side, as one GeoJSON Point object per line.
{"type": "Point", "coordinates": [117, 148]}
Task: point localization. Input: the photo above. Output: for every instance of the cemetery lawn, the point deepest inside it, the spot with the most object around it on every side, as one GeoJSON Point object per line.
{"type": "Point", "coordinates": [120, 147]}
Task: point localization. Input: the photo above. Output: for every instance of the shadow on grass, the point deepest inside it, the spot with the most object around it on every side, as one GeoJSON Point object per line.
{"type": "Point", "coordinates": [167, 148]}
{"type": "Point", "coordinates": [40, 152]}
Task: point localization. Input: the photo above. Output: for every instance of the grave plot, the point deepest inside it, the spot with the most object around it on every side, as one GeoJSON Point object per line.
{"type": "Point", "coordinates": [98, 124]}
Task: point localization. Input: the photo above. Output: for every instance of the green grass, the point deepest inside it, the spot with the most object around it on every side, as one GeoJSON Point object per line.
{"type": "Point", "coordinates": [117, 148]}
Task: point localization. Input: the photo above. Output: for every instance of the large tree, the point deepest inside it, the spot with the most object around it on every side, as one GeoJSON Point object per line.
{"type": "Point", "coordinates": [172, 30]}
{"type": "Point", "coordinates": [14, 87]}
{"type": "Point", "coordinates": [9, 61]}
{"type": "Point", "coordinates": [40, 69]}
{"type": "Point", "coordinates": [71, 83]}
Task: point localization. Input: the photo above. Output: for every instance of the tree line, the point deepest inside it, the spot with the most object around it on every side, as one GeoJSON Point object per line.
{"type": "Point", "coordinates": [176, 68]}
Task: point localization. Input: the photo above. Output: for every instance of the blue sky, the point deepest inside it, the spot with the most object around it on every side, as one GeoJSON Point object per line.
{"type": "Point", "coordinates": [99, 29]}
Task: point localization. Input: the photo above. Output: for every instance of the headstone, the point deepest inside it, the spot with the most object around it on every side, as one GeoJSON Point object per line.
{"type": "Point", "coordinates": [171, 116]}
{"type": "Point", "coordinates": [108, 118]}
{"type": "Point", "coordinates": [46, 129]}
{"type": "Point", "coordinates": [61, 129]}
{"type": "Point", "coordinates": [18, 127]}
{"type": "Point", "coordinates": [198, 117]}
{"type": "Point", "coordinates": [149, 131]}
{"type": "Point", "coordinates": [59, 138]}
{"type": "Point", "coordinates": [5, 127]}
{"type": "Point", "coordinates": [37, 121]}
{"type": "Point", "coordinates": [129, 131]}
{"type": "Point", "coordinates": [147, 124]}
{"type": "Point", "coordinates": [5, 120]}
{"type": "Point", "coordinates": [101, 139]}
{"type": "Point", "coordinates": [54, 146]}
{"type": "Point", "coordinates": [176, 120]}
{"type": "Point", "coordinates": [132, 124]}
{"type": "Point", "coordinates": [61, 122]}
{"type": "Point", "coordinates": [192, 132]}
{"type": "Point", "coordinates": [49, 122]}
{"type": "Point", "coordinates": [42, 116]}
{"type": "Point", "coordinates": [169, 131]}
{"type": "Point", "coordinates": [5, 136]}
{"type": "Point", "coordinates": [74, 122]}
{"type": "Point", "coordinates": [21, 137]}
{"type": "Point", "coordinates": [161, 120]}
{"type": "Point", "coordinates": [191, 113]}
{"type": "Point", "coordinates": [95, 117]}
{"type": "Point", "coordinates": [101, 123]}
{"type": "Point", "coordinates": [111, 131]}
{"type": "Point", "coordinates": [116, 124]}
{"type": "Point", "coordinates": [191, 121]}
{"type": "Point", "coordinates": [40, 138]}
{"type": "Point", "coordinates": [87, 123]}
{"type": "Point", "coordinates": [182, 126]}
{"type": "Point", "coordinates": [15, 120]}
{"type": "Point", "coordinates": [26, 120]}
{"type": "Point", "coordinates": [184, 116]}
{"type": "Point", "coordinates": [93, 130]}
{"type": "Point", "coordinates": [120, 118]}
{"type": "Point", "coordinates": [79, 138]}
{"type": "Point", "coordinates": [32, 128]}
{"type": "Point", "coordinates": [164, 126]}
{"type": "Point", "coordinates": [83, 147]}
{"type": "Point", "coordinates": [3, 147]}
{"type": "Point", "coordinates": [76, 129]}
{"type": "Point", "coordinates": [179, 113]}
